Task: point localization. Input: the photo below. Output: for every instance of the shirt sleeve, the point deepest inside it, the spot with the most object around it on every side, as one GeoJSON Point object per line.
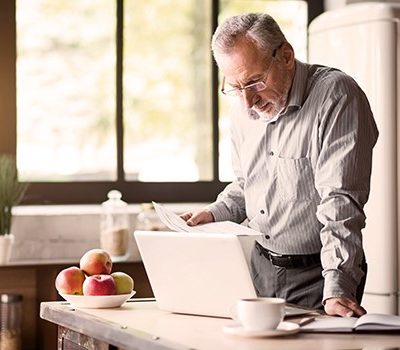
{"type": "Point", "coordinates": [347, 135]}
{"type": "Point", "coordinates": [230, 203]}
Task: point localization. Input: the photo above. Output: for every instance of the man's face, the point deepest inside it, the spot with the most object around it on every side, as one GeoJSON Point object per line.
{"type": "Point", "coordinates": [245, 65]}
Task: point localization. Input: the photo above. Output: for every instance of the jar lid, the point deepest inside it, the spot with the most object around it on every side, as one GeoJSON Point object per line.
{"type": "Point", "coordinates": [10, 298]}
{"type": "Point", "coordinates": [114, 200]}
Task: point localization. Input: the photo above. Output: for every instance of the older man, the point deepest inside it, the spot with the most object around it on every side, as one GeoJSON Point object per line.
{"type": "Point", "coordinates": [302, 163]}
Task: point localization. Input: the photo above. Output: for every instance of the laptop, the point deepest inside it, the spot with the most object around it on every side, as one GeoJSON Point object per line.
{"type": "Point", "coordinates": [198, 273]}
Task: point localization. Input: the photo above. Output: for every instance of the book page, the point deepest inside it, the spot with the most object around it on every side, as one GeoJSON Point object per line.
{"type": "Point", "coordinates": [176, 223]}
{"type": "Point", "coordinates": [378, 322]}
{"type": "Point", "coordinates": [331, 324]}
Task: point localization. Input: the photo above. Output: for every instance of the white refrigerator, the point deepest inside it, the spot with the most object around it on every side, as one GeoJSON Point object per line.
{"type": "Point", "coordinates": [363, 40]}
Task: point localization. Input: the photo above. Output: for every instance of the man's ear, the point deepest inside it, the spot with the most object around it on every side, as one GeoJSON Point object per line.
{"type": "Point", "coordinates": [286, 55]}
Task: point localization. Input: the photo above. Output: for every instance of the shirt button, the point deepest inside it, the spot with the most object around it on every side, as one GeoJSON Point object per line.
{"type": "Point", "coordinates": [267, 237]}
{"type": "Point", "coordinates": [262, 211]}
{"type": "Point", "coordinates": [271, 153]}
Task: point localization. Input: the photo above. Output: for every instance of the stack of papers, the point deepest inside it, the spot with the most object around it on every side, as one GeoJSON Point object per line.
{"type": "Point", "coordinates": [175, 223]}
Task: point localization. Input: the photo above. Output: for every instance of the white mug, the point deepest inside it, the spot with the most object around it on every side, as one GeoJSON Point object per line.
{"type": "Point", "coordinates": [260, 314]}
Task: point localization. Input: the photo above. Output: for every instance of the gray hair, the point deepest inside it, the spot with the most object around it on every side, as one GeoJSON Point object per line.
{"type": "Point", "coordinates": [259, 28]}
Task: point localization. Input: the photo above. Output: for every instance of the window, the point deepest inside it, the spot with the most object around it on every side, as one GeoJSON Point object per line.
{"type": "Point", "coordinates": [167, 91]}
{"type": "Point", "coordinates": [66, 90]}
{"type": "Point", "coordinates": [122, 94]}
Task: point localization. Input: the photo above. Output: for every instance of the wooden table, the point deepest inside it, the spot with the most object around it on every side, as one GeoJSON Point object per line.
{"type": "Point", "coordinates": [139, 324]}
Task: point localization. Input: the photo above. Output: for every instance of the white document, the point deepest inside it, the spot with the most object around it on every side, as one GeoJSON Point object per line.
{"type": "Point", "coordinates": [176, 223]}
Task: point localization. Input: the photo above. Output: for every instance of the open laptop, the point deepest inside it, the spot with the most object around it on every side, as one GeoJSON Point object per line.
{"type": "Point", "coordinates": [198, 273]}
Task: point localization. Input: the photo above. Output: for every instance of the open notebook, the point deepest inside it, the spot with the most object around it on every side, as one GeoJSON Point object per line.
{"type": "Point", "coordinates": [366, 323]}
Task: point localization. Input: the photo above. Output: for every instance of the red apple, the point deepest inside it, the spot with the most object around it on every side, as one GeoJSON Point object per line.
{"type": "Point", "coordinates": [99, 285]}
{"type": "Point", "coordinates": [70, 280]}
{"type": "Point", "coordinates": [123, 282]}
{"type": "Point", "coordinates": [96, 262]}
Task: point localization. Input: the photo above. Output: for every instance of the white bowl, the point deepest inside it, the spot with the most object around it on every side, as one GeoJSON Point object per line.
{"type": "Point", "coordinates": [97, 301]}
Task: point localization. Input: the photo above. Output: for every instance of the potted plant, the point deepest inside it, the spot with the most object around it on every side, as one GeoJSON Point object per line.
{"type": "Point", "coordinates": [11, 194]}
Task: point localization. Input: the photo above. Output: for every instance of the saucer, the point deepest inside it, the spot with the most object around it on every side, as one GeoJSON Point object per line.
{"type": "Point", "coordinates": [284, 328]}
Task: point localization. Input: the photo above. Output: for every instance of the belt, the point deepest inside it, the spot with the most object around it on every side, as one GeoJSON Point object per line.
{"type": "Point", "coordinates": [289, 261]}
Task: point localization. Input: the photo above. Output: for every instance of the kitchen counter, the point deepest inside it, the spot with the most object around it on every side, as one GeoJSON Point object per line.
{"type": "Point", "coordinates": [139, 324]}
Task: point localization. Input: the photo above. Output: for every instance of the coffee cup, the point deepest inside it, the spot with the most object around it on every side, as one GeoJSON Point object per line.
{"type": "Point", "coordinates": [260, 314]}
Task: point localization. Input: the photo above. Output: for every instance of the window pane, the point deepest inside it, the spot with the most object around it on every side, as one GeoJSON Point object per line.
{"type": "Point", "coordinates": [292, 18]}
{"type": "Point", "coordinates": [167, 90]}
{"type": "Point", "coordinates": [66, 90]}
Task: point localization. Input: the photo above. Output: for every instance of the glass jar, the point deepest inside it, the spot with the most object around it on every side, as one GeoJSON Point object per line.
{"type": "Point", "coordinates": [148, 220]}
{"type": "Point", "coordinates": [114, 226]}
{"type": "Point", "coordinates": [10, 321]}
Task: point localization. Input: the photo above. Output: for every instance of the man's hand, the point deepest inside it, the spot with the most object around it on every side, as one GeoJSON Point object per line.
{"type": "Point", "coordinates": [343, 307]}
{"type": "Point", "coordinates": [198, 217]}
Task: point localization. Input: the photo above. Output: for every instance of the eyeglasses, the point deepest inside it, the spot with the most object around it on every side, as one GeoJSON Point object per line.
{"type": "Point", "coordinates": [253, 87]}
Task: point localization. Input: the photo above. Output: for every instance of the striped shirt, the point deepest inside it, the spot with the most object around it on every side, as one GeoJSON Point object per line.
{"type": "Point", "coordinates": [304, 178]}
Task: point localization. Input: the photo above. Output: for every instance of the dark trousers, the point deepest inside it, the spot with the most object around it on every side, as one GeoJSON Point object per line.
{"type": "Point", "coordinates": [301, 286]}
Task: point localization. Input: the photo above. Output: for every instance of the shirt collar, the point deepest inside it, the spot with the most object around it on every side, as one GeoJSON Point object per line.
{"type": "Point", "coordinates": [267, 121]}
{"type": "Point", "coordinates": [297, 91]}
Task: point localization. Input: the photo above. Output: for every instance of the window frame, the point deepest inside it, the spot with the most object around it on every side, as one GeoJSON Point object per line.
{"type": "Point", "coordinates": [94, 192]}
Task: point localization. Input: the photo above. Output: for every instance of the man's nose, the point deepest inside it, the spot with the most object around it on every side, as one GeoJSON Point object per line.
{"type": "Point", "coordinates": [248, 98]}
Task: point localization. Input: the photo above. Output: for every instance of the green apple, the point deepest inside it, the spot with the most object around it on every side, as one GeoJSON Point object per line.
{"type": "Point", "coordinates": [123, 282]}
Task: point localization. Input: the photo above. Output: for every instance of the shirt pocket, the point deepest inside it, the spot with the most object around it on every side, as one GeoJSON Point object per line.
{"type": "Point", "coordinates": [295, 179]}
